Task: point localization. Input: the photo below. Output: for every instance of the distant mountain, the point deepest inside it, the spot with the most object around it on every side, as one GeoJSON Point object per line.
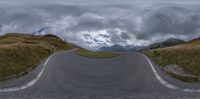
{"type": "Point", "coordinates": [166, 43]}
{"type": "Point", "coordinates": [194, 40]}
{"type": "Point", "coordinates": [119, 48]}
{"type": "Point", "coordinates": [114, 48]}
{"type": "Point", "coordinates": [138, 48]}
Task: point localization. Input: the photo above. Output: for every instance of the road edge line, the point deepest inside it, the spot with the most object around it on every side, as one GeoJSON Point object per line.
{"type": "Point", "coordinates": [30, 83]}
{"type": "Point", "coordinates": [165, 83]}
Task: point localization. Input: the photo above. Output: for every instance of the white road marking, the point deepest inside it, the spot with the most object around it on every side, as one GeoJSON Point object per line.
{"type": "Point", "coordinates": [30, 83]}
{"type": "Point", "coordinates": [162, 81]}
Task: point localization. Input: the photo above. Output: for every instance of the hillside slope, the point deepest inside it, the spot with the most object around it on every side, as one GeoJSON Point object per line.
{"type": "Point", "coordinates": [186, 56]}
{"type": "Point", "coordinates": [20, 53]}
{"type": "Point", "coordinates": [166, 43]}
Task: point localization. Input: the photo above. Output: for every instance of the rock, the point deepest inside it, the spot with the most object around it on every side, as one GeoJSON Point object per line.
{"type": "Point", "coordinates": [175, 69]}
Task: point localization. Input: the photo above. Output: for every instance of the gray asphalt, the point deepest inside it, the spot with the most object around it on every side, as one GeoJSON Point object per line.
{"type": "Point", "coordinates": [69, 76]}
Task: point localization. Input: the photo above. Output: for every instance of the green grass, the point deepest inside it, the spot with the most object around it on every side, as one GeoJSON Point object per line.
{"type": "Point", "coordinates": [187, 56]}
{"type": "Point", "coordinates": [91, 54]}
{"type": "Point", "coordinates": [20, 54]}
{"type": "Point", "coordinates": [188, 59]}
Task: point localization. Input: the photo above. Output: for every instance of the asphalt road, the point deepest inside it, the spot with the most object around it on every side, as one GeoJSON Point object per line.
{"type": "Point", "coordinates": [65, 75]}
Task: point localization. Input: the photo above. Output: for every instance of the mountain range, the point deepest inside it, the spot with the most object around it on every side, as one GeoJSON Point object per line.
{"type": "Point", "coordinates": [119, 48]}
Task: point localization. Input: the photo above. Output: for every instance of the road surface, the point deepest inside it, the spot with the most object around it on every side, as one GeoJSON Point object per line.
{"type": "Point", "coordinates": [65, 75]}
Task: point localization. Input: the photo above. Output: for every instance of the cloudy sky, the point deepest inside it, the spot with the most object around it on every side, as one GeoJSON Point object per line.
{"type": "Point", "coordinates": [95, 23]}
{"type": "Point", "coordinates": [95, 1]}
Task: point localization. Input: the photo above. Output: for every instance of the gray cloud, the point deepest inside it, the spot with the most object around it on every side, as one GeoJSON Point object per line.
{"type": "Point", "coordinates": [170, 20]}
{"type": "Point", "coordinates": [103, 25]}
{"type": "Point", "coordinates": [125, 35]}
{"type": "Point", "coordinates": [93, 1]}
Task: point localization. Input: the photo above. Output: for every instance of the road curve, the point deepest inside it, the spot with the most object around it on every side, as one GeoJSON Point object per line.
{"type": "Point", "coordinates": [131, 75]}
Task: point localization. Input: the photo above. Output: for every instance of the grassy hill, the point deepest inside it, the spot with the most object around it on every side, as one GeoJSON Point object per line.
{"type": "Point", "coordinates": [90, 54]}
{"type": "Point", "coordinates": [186, 56]}
{"type": "Point", "coordinates": [20, 53]}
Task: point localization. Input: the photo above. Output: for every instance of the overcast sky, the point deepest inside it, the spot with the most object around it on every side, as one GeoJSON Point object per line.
{"type": "Point", "coordinates": [104, 22]}
{"type": "Point", "coordinates": [95, 1]}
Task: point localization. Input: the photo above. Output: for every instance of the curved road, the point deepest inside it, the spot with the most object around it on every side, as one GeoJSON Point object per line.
{"type": "Point", "coordinates": [65, 75]}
